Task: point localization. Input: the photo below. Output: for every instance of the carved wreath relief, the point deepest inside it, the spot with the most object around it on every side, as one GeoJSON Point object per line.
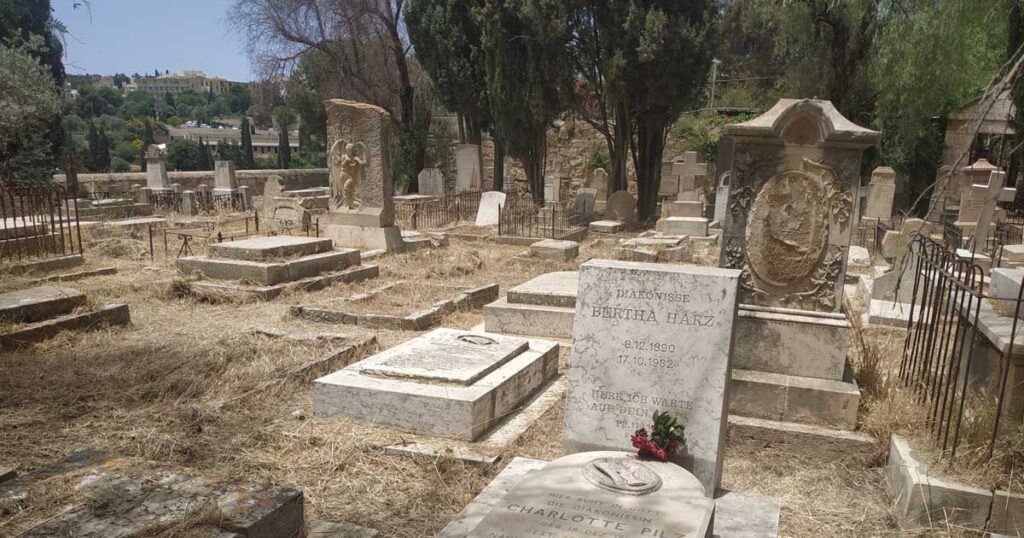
{"type": "Point", "coordinates": [347, 168]}
{"type": "Point", "coordinates": [622, 475]}
{"type": "Point", "coordinates": [787, 238]}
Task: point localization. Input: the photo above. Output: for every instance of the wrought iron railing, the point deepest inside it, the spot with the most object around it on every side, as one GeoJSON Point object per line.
{"type": "Point", "coordinates": [521, 217]}
{"type": "Point", "coordinates": [38, 222]}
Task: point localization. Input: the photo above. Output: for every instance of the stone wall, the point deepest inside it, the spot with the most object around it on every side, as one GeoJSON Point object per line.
{"type": "Point", "coordinates": [254, 179]}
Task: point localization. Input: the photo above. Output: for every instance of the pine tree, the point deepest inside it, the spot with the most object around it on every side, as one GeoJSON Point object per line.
{"type": "Point", "coordinates": [248, 159]}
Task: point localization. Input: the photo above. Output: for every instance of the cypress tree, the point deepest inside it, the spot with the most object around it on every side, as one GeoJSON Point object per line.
{"type": "Point", "coordinates": [203, 157]}
{"type": "Point", "coordinates": [284, 151]}
{"type": "Point", "coordinates": [103, 151]}
{"type": "Point", "coordinates": [248, 159]}
{"type": "Point", "coordinates": [92, 159]}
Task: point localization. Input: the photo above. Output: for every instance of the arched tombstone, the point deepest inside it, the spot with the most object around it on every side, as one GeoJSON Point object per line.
{"type": "Point", "coordinates": [621, 207]}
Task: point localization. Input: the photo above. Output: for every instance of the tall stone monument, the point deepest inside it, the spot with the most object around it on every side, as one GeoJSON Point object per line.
{"type": "Point", "coordinates": [795, 177]}
{"type": "Point", "coordinates": [362, 212]}
{"type": "Point", "coordinates": [467, 167]}
{"type": "Point", "coordinates": [224, 180]}
{"type": "Point", "coordinates": [156, 168]}
{"type": "Point", "coordinates": [881, 191]}
{"type": "Point", "coordinates": [650, 337]}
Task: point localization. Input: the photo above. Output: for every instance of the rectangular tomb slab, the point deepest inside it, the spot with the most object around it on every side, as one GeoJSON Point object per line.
{"type": "Point", "coordinates": [36, 304]}
{"type": "Point", "coordinates": [460, 399]}
{"type": "Point", "coordinates": [549, 289]}
{"type": "Point", "coordinates": [652, 337]}
{"type": "Point", "coordinates": [449, 356]}
{"type": "Point", "coordinates": [267, 248]}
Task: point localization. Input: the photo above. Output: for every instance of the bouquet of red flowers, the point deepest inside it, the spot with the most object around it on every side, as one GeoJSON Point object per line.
{"type": "Point", "coordinates": [664, 441]}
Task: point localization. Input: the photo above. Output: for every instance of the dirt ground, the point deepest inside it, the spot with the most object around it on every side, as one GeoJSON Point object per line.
{"type": "Point", "coordinates": [157, 389]}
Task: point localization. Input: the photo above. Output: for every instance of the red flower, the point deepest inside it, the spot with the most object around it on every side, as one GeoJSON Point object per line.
{"type": "Point", "coordinates": [659, 453]}
{"type": "Point", "coordinates": [639, 439]}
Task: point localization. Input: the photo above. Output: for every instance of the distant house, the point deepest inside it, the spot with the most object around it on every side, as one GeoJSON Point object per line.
{"type": "Point", "coordinates": [960, 137]}
{"type": "Point", "coordinates": [177, 83]}
{"type": "Point", "coordinates": [264, 143]}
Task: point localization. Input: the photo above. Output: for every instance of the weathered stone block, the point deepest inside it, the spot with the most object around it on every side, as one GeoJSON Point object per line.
{"type": "Point", "coordinates": [692, 226]}
{"type": "Point", "coordinates": [606, 226]}
{"type": "Point", "coordinates": [271, 248]}
{"type": "Point", "coordinates": [796, 343]}
{"type": "Point", "coordinates": [36, 304]}
{"type": "Point", "coordinates": [549, 289]}
{"type": "Point", "coordinates": [553, 249]}
{"type": "Point", "coordinates": [504, 317]}
{"type": "Point", "coordinates": [796, 399]}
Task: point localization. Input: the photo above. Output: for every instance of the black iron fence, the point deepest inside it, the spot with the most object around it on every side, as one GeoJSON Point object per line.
{"type": "Point", "coordinates": [39, 222]}
{"type": "Point", "coordinates": [521, 217]}
{"type": "Point", "coordinates": [956, 367]}
{"type": "Point", "coordinates": [439, 212]}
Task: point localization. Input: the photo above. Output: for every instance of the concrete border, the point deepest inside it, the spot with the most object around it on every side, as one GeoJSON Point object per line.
{"type": "Point", "coordinates": [41, 266]}
{"type": "Point", "coordinates": [111, 314]}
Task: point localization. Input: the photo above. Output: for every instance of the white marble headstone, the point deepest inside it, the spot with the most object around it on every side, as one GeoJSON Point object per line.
{"type": "Point", "coordinates": [650, 337]}
{"type": "Point", "coordinates": [490, 208]}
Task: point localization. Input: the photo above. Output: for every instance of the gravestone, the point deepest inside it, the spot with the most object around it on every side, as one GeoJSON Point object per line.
{"type": "Point", "coordinates": [972, 200]}
{"type": "Point", "coordinates": [156, 168]}
{"type": "Point", "coordinates": [467, 165]}
{"type": "Point", "coordinates": [598, 180]}
{"type": "Point", "coordinates": [691, 174]}
{"type": "Point", "coordinates": [880, 193]}
{"type": "Point", "coordinates": [621, 207]}
{"type": "Point", "coordinates": [722, 197]}
{"type": "Point", "coordinates": [584, 202]}
{"type": "Point", "coordinates": [646, 338]}
{"type": "Point", "coordinates": [988, 208]}
{"type": "Point", "coordinates": [431, 182]}
{"type": "Point", "coordinates": [552, 189]}
{"type": "Point", "coordinates": [362, 212]}
{"type": "Point", "coordinates": [795, 176]}
{"type": "Point", "coordinates": [224, 176]}
{"type": "Point", "coordinates": [489, 211]}
{"type": "Point", "coordinates": [669, 180]}
{"type": "Point", "coordinates": [596, 494]}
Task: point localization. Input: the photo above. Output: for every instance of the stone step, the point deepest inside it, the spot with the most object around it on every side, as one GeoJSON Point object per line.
{"type": "Point", "coordinates": [269, 273]}
{"type": "Point", "coordinates": [790, 439]}
{"type": "Point", "coordinates": [37, 304]}
{"type": "Point", "coordinates": [112, 314]}
{"type": "Point", "coordinates": [789, 398]}
{"type": "Point", "coordinates": [271, 248]}
{"type": "Point", "coordinates": [503, 317]}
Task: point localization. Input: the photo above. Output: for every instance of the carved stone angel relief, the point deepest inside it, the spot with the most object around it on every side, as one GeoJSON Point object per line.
{"type": "Point", "coordinates": [348, 166]}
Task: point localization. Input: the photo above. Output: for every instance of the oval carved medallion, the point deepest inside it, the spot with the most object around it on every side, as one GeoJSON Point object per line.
{"type": "Point", "coordinates": [787, 229]}
{"type": "Point", "coordinates": [622, 475]}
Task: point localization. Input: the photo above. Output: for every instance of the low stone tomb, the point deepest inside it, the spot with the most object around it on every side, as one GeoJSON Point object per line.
{"type": "Point", "coordinates": [384, 316]}
{"type": "Point", "coordinates": [554, 249]}
{"type": "Point", "coordinates": [1013, 257]}
{"type": "Point", "coordinates": [660, 248]}
{"type": "Point", "coordinates": [606, 226]}
{"type": "Point", "coordinates": [96, 494]}
{"type": "Point", "coordinates": [446, 383]}
{"type": "Point", "coordinates": [649, 338]}
{"type": "Point", "coordinates": [692, 226]}
{"type": "Point", "coordinates": [682, 209]}
{"type": "Point", "coordinates": [542, 307]}
{"type": "Point", "coordinates": [597, 494]}
{"type": "Point", "coordinates": [36, 314]}
{"type": "Point", "coordinates": [263, 267]}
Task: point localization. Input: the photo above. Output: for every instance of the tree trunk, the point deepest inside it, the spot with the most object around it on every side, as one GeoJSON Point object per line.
{"type": "Point", "coordinates": [498, 182]}
{"type": "Point", "coordinates": [650, 148]}
{"type": "Point", "coordinates": [462, 129]}
{"type": "Point", "coordinates": [619, 153]}
{"type": "Point", "coordinates": [533, 164]}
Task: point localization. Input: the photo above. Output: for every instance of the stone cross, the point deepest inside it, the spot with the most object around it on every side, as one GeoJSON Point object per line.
{"type": "Point", "coordinates": [991, 199]}
{"type": "Point", "coordinates": [688, 173]}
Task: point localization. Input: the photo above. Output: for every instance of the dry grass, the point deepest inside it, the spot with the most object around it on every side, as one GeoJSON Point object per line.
{"type": "Point", "coordinates": [152, 390]}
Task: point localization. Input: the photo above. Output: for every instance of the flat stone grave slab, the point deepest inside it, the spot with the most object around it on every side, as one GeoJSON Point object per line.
{"type": "Point", "coordinates": [36, 304]}
{"type": "Point", "coordinates": [114, 497]}
{"type": "Point", "coordinates": [608, 494]}
{"type": "Point", "coordinates": [449, 356]}
{"type": "Point", "coordinates": [550, 289]}
{"type": "Point", "coordinates": [554, 249]}
{"type": "Point", "coordinates": [269, 248]}
{"type": "Point", "coordinates": [447, 383]}
{"type": "Point", "coordinates": [606, 226]}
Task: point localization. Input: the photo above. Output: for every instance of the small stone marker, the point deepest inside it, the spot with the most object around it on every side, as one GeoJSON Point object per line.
{"type": "Point", "coordinates": [880, 193]}
{"type": "Point", "coordinates": [652, 338]}
{"type": "Point", "coordinates": [606, 226]}
{"type": "Point", "coordinates": [692, 226]}
{"type": "Point", "coordinates": [156, 168]}
{"type": "Point", "coordinates": [431, 182]}
{"type": "Point", "coordinates": [621, 207]}
{"type": "Point", "coordinates": [608, 494]}
{"type": "Point", "coordinates": [683, 209]}
{"type": "Point", "coordinates": [467, 165]}
{"type": "Point", "coordinates": [552, 189]}
{"type": "Point", "coordinates": [554, 249]}
{"type": "Point", "coordinates": [489, 211]}
{"type": "Point", "coordinates": [598, 181]}
{"type": "Point", "coordinates": [988, 207]}
{"type": "Point", "coordinates": [584, 203]}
